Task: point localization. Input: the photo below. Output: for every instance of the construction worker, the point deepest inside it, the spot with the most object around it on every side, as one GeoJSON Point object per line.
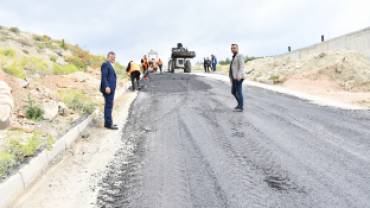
{"type": "Point", "coordinates": [155, 65]}
{"type": "Point", "coordinates": [133, 70]}
{"type": "Point", "coordinates": [145, 65]}
{"type": "Point", "coordinates": [160, 64]}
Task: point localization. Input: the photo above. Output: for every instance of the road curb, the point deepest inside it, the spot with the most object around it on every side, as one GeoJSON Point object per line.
{"type": "Point", "coordinates": [14, 185]}
{"type": "Point", "coordinates": [10, 189]}
{"type": "Point", "coordinates": [30, 172]}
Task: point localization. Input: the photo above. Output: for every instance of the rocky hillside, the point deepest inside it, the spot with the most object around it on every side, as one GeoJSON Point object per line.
{"type": "Point", "coordinates": [54, 83]}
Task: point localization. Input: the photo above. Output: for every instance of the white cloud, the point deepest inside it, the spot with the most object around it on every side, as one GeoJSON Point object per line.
{"type": "Point", "coordinates": [132, 28]}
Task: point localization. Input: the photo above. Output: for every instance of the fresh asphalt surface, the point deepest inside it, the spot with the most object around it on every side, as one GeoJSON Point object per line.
{"type": "Point", "coordinates": [187, 148]}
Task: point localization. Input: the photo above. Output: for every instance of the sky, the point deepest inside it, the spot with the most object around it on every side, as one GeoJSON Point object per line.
{"type": "Point", "coordinates": [132, 28]}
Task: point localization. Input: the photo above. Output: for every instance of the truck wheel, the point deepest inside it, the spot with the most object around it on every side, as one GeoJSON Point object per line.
{"type": "Point", "coordinates": [172, 67]}
{"type": "Point", "coordinates": [187, 67]}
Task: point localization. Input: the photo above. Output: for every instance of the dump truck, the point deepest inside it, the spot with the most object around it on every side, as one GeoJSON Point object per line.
{"type": "Point", "coordinates": [180, 59]}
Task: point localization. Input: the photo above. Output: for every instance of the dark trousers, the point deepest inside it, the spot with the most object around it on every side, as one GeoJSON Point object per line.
{"type": "Point", "coordinates": [207, 68]}
{"type": "Point", "coordinates": [160, 68]}
{"type": "Point", "coordinates": [135, 76]}
{"type": "Point", "coordinates": [214, 67]}
{"type": "Point", "coordinates": [237, 91]}
{"type": "Point", "coordinates": [108, 108]}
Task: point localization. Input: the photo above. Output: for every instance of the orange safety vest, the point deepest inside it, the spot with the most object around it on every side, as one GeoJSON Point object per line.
{"type": "Point", "coordinates": [155, 66]}
{"type": "Point", "coordinates": [160, 62]}
{"type": "Point", "coordinates": [145, 64]}
{"type": "Point", "coordinates": [133, 67]}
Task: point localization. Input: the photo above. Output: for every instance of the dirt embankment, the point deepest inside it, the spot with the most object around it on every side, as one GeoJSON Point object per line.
{"type": "Point", "coordinates": [338, 74]}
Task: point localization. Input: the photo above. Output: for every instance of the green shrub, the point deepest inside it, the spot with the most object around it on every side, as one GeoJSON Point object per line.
{"type": "Point", "coordinates": [63, 45]}
{"type": "Point", "coordinates": [226, 62]}
{"type": "Point", "coordinates": [33, 111]}
{"type": "Point", "coordinates": [274, 77]}
{"type": "Point", "coordinates": [43, 38]}
{"type": "Point", "coordinates": [11, 53]}
{"type": "Point", "coordinates": [41, 46]}
{"type": "Point", "coordinates": [35, 64]}
{"type": "Point", "coordinates": [64, 70]}
{"type": "Point", "coordinates": [38, 38]}
{"type": "Point", "coordinates": [23, 145]}
{"type": "Point", "coordinates": [78, 101]}
{"type": "Point", "coordinates": [53, 58]}
{"type": "Point", "coordinates": [120, 69]}
{"type": "Point", "coordinates": [25, 149]}
{"type": "Point", "coordinates": [25, 51]}
{"type": "Point", "coordinates": [104, 58]}
{"type": "Point", "coordinates": [59, 53]}
{"type": "Point", "coordinates": [15, 70]}
{"type": "Point", "coordinates": [77, 61]}
{"type": "Point", "coordinates": [14, 30]}
{"type": "Point", "coordinates": [6, 163]}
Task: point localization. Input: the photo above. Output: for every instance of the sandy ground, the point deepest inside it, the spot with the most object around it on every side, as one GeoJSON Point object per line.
{"type": "Point", "coordinates": [71, 179]}
{"type": "Point", "coordinates": [321, 86]}
{"type": "Point", "coordinates": [327, 87]}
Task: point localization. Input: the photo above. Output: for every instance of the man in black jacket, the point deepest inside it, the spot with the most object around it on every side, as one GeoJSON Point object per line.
{"type": "Point", "coordinates": [207, 64]}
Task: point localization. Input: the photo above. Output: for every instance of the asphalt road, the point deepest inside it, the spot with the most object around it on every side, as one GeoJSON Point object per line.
{"type": "Point", "coordinates": [187, 148]}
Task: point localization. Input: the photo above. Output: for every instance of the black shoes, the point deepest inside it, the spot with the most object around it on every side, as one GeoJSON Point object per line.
{"type": "Point", "coordinates": [238, 109]}
{"type": "Point", "coordinates": [113, 127]}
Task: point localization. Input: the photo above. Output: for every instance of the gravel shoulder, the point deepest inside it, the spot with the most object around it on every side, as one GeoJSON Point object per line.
{"type": "Point", "coordinates": [71, 180]}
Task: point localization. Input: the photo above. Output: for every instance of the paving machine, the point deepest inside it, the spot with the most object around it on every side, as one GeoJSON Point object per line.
{"type": "Point", "coordinates": [180, 59]}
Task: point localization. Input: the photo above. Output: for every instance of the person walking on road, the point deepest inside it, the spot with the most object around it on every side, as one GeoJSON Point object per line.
{"type": "Point", "coordinates": [237, 76]}
{"type": "Point", "coordinates": [108, 87]}
{"type": "Point", "coordinates": [214, 62]}
{"type": "Point", "coordinates": [207, 64]}
{"type": "Point", "coordinates": [160, 64]}
{"type": "Point", "coordinates": [6, 103]}
{"type": "Point", "coordinates": [133, 70]}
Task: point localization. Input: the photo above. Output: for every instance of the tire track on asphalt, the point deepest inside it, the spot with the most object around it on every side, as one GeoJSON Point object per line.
{"type": "Point", "coordinates": [186, 148]}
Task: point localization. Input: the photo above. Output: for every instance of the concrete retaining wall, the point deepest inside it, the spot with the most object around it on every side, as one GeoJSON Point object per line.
{"type": "Point", "coordinates": [359, 41]}
{"type": "Point", "coordinates": [14, 185]}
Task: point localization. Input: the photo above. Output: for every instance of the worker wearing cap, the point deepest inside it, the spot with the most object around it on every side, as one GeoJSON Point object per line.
{"type": "Point", "coordinates": [133, 70]}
